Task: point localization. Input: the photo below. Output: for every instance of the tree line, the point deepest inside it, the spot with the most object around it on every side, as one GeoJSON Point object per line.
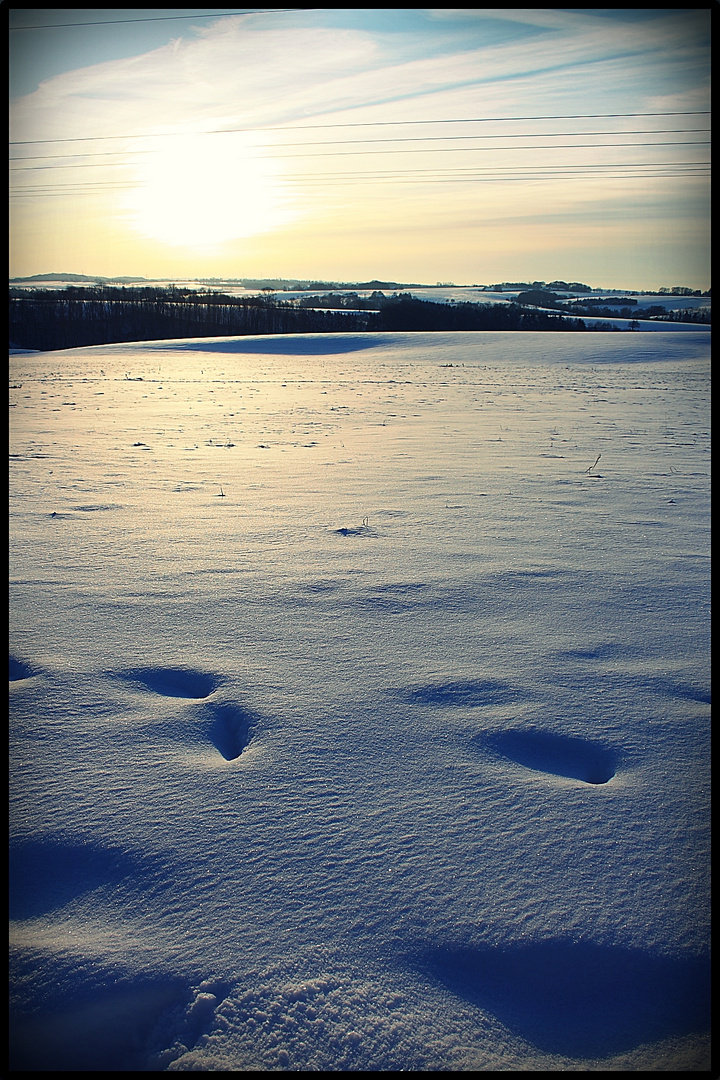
{"type": "Point", "coordinates": [75, 317]}
{"type": "Point", "coordinates": [623, 307]}
{"type": "Point", "coordinates": [101, 315]}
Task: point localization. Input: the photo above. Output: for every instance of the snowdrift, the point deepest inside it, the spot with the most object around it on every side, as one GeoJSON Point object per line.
{"type": "Point", "coordinates": [359, 704]}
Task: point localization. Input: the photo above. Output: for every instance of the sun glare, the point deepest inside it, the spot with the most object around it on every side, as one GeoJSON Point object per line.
{"type": "Point", "coordinates": [200, 191]}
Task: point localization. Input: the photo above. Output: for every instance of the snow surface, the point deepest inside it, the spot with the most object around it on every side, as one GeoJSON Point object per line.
{"type": "Point", "coordinates": [359, 704]}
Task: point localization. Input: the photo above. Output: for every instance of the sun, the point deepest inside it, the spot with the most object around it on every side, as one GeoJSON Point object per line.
{"type": "Point", "coordinates": [202, 191]}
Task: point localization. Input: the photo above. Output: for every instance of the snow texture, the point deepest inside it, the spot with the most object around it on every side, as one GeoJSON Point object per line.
{"type": "Point", "coordinates": [359, 704]}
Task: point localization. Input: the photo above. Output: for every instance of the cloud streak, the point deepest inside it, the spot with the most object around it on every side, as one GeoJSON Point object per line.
{"type": "Point", "coordinates": [304, 72]}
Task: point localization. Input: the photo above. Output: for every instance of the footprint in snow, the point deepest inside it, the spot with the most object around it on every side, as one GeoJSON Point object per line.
{"type": "Point", "coordinates": [228, 726]}
{"type": "Point", "coordinates": [557, 755]}
{"type": "Point", "coordinates": [19, 669]}
{"type": "Point", "coordinates": [173, 682]}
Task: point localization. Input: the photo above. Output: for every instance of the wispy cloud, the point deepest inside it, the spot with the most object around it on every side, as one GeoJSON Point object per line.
{"type": "Point", "coordinates": [295, 70]}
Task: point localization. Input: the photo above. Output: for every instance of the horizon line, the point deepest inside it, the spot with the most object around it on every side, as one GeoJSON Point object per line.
{"type": "Point", "coordinates": [386, 282]}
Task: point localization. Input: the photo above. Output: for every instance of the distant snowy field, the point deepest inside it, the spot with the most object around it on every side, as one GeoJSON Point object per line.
{"type": "Point", "coordinates": [359, 704]}
{"type": "Point", "coordinates": [459, 294]}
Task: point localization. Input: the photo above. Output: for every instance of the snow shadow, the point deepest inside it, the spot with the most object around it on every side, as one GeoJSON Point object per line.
{"type": "Point", "coordinates": [464, 693]}
{"type": "Point", "coordinates": [285, 344]}
{"type": "Point", "coordinates": [182, 1027]}
{"type": "Point", "coordinates": [601, 651]}
{"type": "Point", "coordinates": [105, 1027]}
{"type": "Point", "coordinates": [671, 688]}
{"type": "Point", "coordinates": [579, 999]}
{"type": "Point", "coordinates": [45, 874]}
{"type": "Point", "coordinates": [173, 682]}
{"type": "Point", "coordinates": [558, 755]}
{"type": "Point", "coordinates": [99, 506]}
{"type": "Point", "coordinates": [20, 670]}
{"type": "Point", "coordinates": [355, 530]}
{"type": "Point", "coordinates": [229, 728]}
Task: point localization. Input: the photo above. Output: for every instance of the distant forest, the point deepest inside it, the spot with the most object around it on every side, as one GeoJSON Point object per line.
{"type": "Point", "coordinates": [100, 315]}
{"type": "Point", "coordinates": [617, 307]}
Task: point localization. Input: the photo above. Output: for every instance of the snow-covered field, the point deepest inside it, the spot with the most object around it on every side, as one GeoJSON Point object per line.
{"type": "Point", "coordinates": [359, 704]}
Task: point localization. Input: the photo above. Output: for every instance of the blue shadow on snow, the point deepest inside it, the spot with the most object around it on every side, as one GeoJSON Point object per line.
{"type": "Point", "coordinates": [281, 344]}
{"type": "Point", "coordinates": [558, 755]}
{"type": "Point", "coordinates": [464, 693]}
{"type": "Point", "coordinates": [20, 670]}
{"type": "Point", "coordinates": [229, 727]}
{"type": "Point", "coordinates": [46, 874]}
{"type": "Point", "coordinates": [100, 1026]}
{"type": "Point", "coordinates": [173, 682]}
{"type": "Point", "coordinates": [579, 999]}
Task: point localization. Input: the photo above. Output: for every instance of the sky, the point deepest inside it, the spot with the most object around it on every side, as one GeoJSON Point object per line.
{"type": "Point", "coordinates": [419, 145]}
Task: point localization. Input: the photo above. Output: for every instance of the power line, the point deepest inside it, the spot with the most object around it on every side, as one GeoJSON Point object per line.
{"type": "Point", "coordinates": [362, 153]}
{"type": "Point", "coordinates": [534, 175]}
{"type": "Point", "coordinates": [368, 123]}
{"type": "Point", "coordinates": [403, 139]}
{"type": "Point", "coordinates": [345, 153]}
{"type": "Point", "coordinates": [461, 176]}
{"type": "Point", "coordinates": [470, 174]}
{"type": "Point", "coordinates": [458, 173]}
{"type": "Point", "coordinates": [491, 149]}
{"type": "Point", "coordinates": [160, 18]}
